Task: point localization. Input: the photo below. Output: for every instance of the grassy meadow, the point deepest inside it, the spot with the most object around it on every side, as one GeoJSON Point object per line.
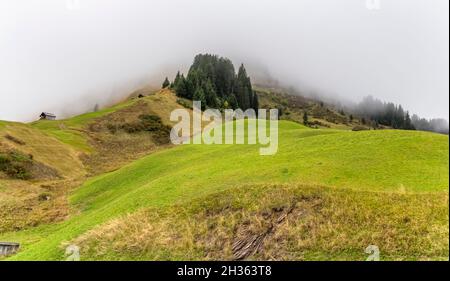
{"type": "Point", "coordinates": [326, 194]}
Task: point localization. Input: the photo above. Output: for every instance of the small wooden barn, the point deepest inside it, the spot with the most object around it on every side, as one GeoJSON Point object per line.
{"type": "Point", "coordinates": [47, 116]}
{"type": "Point", "coordinates": [8, 248]}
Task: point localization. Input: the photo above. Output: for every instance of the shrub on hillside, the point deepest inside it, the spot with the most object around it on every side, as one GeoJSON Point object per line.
{"type": "Point", "coordinates": [153, 123]}
{"type": "Point", "coordinates": [185, 103]}
{"type": "Point", "coordinates": [145, 123]}
{"type": "Point", "coordinates": [318, 123]}
{"type": "Point", "coordinates": [16, 164]}
{"type": "Point", "coordinates": [359, 128]}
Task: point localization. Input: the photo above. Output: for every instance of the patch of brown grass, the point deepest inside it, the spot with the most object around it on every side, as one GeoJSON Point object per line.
{"type": "Point", "coordinates": [51, 168]}
{"type": "Point", "coordinates": [25, 204]}
{"type": "Point", "coordinates": [115, 148]}
{"type": "Point", "coordinates": [280, 223]}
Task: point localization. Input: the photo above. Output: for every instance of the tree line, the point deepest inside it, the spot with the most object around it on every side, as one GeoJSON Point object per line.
{"type": "Point", "coordinates": [387, 114]}
{"type": "Point", "coordinates": [213, 81]}
{"type": "Point", "coordinates": [438, 125]}
{"type": "Point", "coordinates": [392, 115]}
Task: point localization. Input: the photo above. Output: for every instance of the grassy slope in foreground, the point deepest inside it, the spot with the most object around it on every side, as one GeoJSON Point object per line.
{"type": "Point", "coordinates": [279, 222]}
{"type": "Point", "coordinates": [382, 161]}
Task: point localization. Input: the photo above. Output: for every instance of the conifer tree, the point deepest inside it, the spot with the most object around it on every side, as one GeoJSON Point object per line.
{"type": "Point", "coordinates": [166, 83]}
{"type": "Point", "coordinates": [244, 90]}
{"type": "Point", "coordinates": [210, 94]}
{"type": "Point", "coordinates": [181, 87]}
{"type": "Point", "coordinates": [176, 80]}
{"type": "Point", "coordinates": [199, 95]}
{"type": "Point", "coordinates": [408, 123]}
{"type": "Point", "coordinates": [232, 101]}
{"type": "Point", "coordinates": [305, 118]}
{"type": "Point", "coordinates": [255, 102]}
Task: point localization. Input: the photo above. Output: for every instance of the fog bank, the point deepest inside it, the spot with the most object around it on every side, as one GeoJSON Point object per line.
{"type": "Point", "coordinates": [65, 56]}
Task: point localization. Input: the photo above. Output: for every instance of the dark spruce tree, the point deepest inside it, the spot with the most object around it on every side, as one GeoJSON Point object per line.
{"type": "Point", "coordinates": [210, 94]}
{"type": "Point", "coordinates": [255, 102]}
{"type": "Point", "coordinates": [232, 102]}
{"type": "Point", "coordinates": [166, 83]}
{"type": "Point", "coordinates": [199, 95]}
{"type": "Point", "coordinates": [305, 118]}
{"type": "Point", "coordinates": [181, 87]}
{"type": "Point", "coordinates": [408, 125]}
{"type": "Point", "coordinates": [176, 80]}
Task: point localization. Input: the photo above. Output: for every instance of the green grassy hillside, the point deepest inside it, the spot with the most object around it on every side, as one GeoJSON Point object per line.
{"type": "Point", "coordinates": [56, 167]}
{"type": "Point", "coordinates": [339, 190]}
{"type": "Point", "coordinates": [70, 131]}
{"type": "Point", "coordinates": [62, 154]}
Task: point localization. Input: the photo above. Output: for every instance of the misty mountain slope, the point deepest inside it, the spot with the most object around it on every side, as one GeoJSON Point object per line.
{"type": "Point", "coordinates": [319, 114]}
{"type": "Point", "coordinates": [396, 175]}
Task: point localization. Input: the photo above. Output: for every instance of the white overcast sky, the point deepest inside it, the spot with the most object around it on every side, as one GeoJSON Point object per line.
{"type": "Point", "coordinates": [63, 56]}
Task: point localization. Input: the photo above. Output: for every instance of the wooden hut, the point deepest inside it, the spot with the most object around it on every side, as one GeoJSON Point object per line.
{"type": "Point", "coordinates": [47, 116]}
